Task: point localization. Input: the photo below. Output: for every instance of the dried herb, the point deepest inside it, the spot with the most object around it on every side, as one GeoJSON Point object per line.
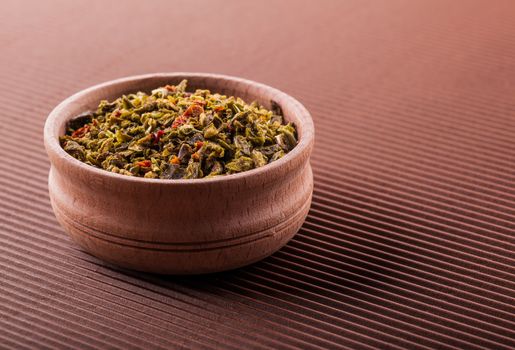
{"type": "Point", "coordinates": [174, 134]}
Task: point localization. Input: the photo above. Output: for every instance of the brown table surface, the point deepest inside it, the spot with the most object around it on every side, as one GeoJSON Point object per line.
{"type": "Point", "coordinates": [409, 242]}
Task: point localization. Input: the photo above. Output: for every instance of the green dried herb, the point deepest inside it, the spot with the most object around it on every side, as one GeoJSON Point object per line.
{"type": "Point", "coordinates": [174, 134]}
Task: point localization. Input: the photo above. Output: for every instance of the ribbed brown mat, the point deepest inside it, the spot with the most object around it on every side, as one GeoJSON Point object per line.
{"type": "Point", "coordinates": [410, 240]}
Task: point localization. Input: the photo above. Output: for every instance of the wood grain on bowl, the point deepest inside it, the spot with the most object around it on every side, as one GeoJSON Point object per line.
{"type": "Point", "coordinates": [181, 226]}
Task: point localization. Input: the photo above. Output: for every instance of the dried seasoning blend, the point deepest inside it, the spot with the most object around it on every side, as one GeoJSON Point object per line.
{"type": "Point", "coordinates": [174, 134]}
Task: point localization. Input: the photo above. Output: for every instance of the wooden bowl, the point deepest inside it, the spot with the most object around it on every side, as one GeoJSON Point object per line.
{"type": "Point", "coordinates": [181, 226]}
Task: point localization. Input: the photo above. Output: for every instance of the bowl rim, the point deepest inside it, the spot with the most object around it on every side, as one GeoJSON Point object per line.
{"type": "Point", "coordinates": [54, 120]}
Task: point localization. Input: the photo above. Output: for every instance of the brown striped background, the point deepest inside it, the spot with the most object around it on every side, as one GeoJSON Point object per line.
{"type": "Point", "coordinates": [410, 240]}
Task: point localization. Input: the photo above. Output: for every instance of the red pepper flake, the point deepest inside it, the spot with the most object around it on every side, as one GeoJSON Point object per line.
{"type": "Point", "coordinates": [218, 108]}
{"type": "Point", "coordinates": [117, 113]}
{"type": "Point", "coordinates": [179, 121]}
{"type": "Point", "coordinates": [199, 144]}
{"type": "Point", "coordinates": [144, 163]}
{"type": "Point", "coordinates": [193, 110]}
{"type": "Point", "coordinates": [195, 156]}
{"type": "Point", "coordinates": [80, 132]}
{"type": "Point", "coordinates": [170, 88]}
{"type": "Point", "coordinates": [157, 136]}
{"type": "Point", "coordinates": [175, 160]}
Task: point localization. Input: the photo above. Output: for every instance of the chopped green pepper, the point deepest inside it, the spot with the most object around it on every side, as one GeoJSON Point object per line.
{"type": "Point", "coordinates": [174, 134]}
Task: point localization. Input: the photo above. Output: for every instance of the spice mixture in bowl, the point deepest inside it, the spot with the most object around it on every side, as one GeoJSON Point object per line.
{"type": "Point", "coordinates": [180, 173]}
{"type": "Point", "coordinates": [174, 134]}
